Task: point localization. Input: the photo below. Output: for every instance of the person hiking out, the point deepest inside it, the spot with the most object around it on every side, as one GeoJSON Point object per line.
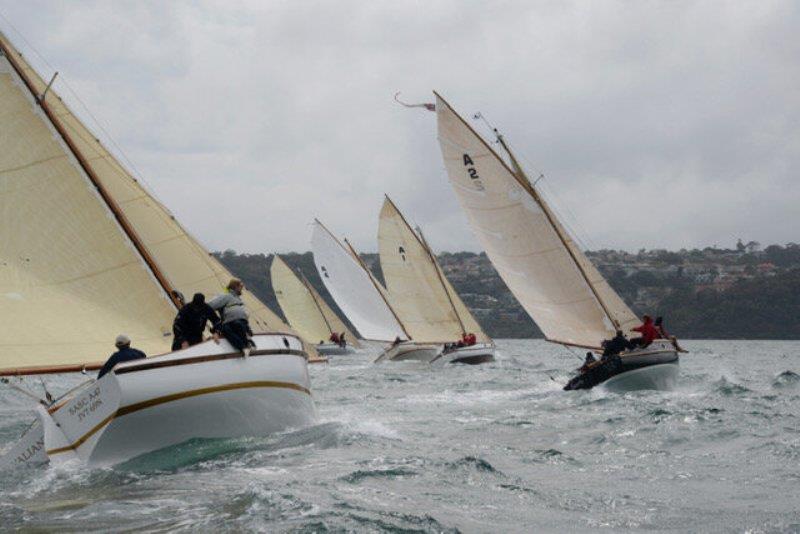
{"type": "Point", "coordinates": [124, 354]}
{"type": "Point", "coordinates": [659, 325]}
{"type": "Point", "coordinates": [615, 345]}
{"type": "Point", "coordinates": [590, 359]}
{"type": "Point", "coordinates": [190, 323]}
{"type": "Point", "coordinates": [235, 326]}
{"type": "Point", "coordinates": [648, 333]}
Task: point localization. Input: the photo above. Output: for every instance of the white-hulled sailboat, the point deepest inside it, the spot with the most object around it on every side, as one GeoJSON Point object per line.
{"type": "Point", "coordinates": [87, 253]}
{"type": "Point", "coordinates": [427, 304]}
{"type": "Point", "coordinates": [362, 299]}
{"type": "Point", "coordinates": [307, 312]}
{"type": "Point", "coordinates": [540, 263]}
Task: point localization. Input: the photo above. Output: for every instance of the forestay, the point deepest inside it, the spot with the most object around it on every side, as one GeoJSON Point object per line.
{"type": "Point", "coordinates": [72, 277]}
{"type": "Point", "coordinates": [303, 307]}
{"type": "Point", "coordinates": [536, 259]}
{"type": "Point", "coordinates": [431, 311]}
{"type": "Point", "coordinates": [353, 288]}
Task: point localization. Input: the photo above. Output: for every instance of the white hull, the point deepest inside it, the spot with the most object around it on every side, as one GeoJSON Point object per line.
{"type": "Point", "coordinates": [205, 391]}
{"type": "Point", "coordinates": [660, 377]}
{"type": "Point", "coordinates": [472, 355]}
{"type": "Point", "coordinates": [334, 349]}
{"type": "Point", "coordinates": [410, 351]}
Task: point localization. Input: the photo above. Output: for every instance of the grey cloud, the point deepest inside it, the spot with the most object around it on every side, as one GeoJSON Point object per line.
{"type": "Point", "coordinates": [657, 124]}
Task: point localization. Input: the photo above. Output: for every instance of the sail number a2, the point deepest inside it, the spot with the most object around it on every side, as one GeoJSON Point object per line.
{"type": "Point", "coordinates": [473, 173]}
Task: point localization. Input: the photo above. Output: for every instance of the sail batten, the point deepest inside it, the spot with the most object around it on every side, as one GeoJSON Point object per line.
{"type": "Point", "coordinates": [428, 306]}
{"type": "Point", "coordinates": [353, 288]}
{"type": "Point", "coordinates": [553, 280]}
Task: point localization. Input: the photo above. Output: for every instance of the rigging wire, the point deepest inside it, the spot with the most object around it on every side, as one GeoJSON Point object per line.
{"type": "Point", "coordinates": [570, 222]}
{"type": "Point", "coordinates": [22, 390]}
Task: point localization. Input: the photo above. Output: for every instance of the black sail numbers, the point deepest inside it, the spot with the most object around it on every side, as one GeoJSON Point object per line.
{"type": "Point", "coordinates": [473, 173]}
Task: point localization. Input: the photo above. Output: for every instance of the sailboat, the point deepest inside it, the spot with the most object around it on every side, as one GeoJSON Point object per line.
{"type": "Point", "coordinates": [425, 302]}
{"type": "Point", "coordinates": [361, 297]}
{"type": "Point", "coordinates": [540, 263]}
{"type": "Point", "coordinates": [307, 312]}
{"type": "Point", "coordinates": [86, 253]}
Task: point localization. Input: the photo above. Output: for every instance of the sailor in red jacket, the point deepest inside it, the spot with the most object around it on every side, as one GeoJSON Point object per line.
{"type": "Point", "coordinates": [648, 331]}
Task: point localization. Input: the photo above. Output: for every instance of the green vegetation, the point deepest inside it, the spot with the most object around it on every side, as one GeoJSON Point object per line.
{"type": "Point", "coordinates": [741, 293]}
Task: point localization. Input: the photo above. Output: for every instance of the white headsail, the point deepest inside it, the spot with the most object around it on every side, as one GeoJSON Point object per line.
{"type": "Point", "coordinates": [353, 288]}
{"type": "Point", "coordinates": [85, 251]}
{"type": "Point", "coordinates": [303, 307]}
{"type": "Point", "coordinates": [422, 296]}
{"type": "Point", "coordinates": [552, 279]}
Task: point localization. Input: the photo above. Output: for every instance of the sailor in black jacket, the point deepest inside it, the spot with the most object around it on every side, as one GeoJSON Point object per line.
{"type": "Point", "coordinates": [124, 354]}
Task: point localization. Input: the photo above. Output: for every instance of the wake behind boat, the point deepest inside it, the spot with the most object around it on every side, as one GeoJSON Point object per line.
{"type": "Point", "coordinates": [540, 263]}
{"type": "Point", "coordinates": [89, 253]}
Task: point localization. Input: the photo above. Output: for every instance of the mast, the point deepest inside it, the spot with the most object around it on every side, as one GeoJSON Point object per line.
{"type": "Point", "coordinates": [375, 283]}
{"type": "Point", "coordinates": [440, 275]}
{"type": "Point", "coordinates": [306, 283]}
{"type": "Point", "coordinates": [523, 181]}
{"type": "Point", "coordinates": [558, 229]}
{"type": "Point", "coordinates": [93, 178]}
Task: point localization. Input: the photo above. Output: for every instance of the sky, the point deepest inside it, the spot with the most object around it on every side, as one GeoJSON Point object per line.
{"type": "Point", "coordinates": [656, 124]}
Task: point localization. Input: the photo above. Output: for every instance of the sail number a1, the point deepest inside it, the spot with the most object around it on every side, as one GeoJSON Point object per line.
{"type": "Point", "coordinates": [473, 173]}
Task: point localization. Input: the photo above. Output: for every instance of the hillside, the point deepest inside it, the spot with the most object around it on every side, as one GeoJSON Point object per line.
{"type": "Point", "coordinates": [710, 293]}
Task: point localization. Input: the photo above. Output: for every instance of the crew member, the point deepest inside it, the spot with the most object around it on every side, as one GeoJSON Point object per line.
{"type": "Point", "coordinates": [659, 325]}
{"type": "Point", "coordinates": [334, 338]}
{"type": "Point", "coordinates": [190, 323]}
{"type": "Point", "coordinates": [235, 326]}
{"type": "Point", "coordinates": [468, 339]}
{"type": "Point", "coordinates": [648, 331]}
{"type": "Point", "coordinates": [124, 354]}
{"type": "Point", "coordinates": [615, 345]}
{"type": "Point", "coordinates": [590, 359]}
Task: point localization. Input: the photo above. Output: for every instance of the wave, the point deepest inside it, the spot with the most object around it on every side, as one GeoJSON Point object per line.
{"type": "Point", "coordinates": [364, 474]}
{"type": "Point", "coordinates": [472, 462]}
{"type": "Point", "coordinates": [786, 379]}
{"type": "Point", "coordinates": [726, 387]}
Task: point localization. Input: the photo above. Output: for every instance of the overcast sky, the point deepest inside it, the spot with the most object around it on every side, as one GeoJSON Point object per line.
{"type": "Point", "coordinates": [657, 124]}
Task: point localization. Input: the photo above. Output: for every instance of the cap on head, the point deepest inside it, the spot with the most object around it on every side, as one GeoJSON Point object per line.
{"type": "Point", "coordinates": [122, 340]}
{"type": "Point", "coordinates": [235, 284]}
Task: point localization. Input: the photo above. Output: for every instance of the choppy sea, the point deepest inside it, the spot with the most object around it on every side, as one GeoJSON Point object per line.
{"type": "Point", "coordinates": [493, 448]}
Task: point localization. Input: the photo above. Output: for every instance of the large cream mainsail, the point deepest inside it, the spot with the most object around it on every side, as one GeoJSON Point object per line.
{"type": "Point", "coordinates": [553, 280]}
{"type": "Point", "coordinates": [70, 279]}
{"type": "Point", "coordinates": [424, 300]}
{"type": "Point", "coordinates": [354, 289]}
{"type": "Point", "coordinates": [185, 263]}
{"type": "Point", "coordinates": [58, 146]}
{"type": "Point", "coordinates": [303, 307]}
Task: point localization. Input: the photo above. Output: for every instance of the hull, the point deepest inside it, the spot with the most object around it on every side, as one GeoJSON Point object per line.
{"type": "Point", "coordinates": [472, 355]}
{"type": "Point", "coordinates": [654, 367]}
{"type": "Point", "coordinates": [410, 351]}
{"type": "Point", "coordinates": [660, 376]}
{"type": "Point", "coordinates": [334, 349]}
{"type": "Point", "coordinates": [205, 391]}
